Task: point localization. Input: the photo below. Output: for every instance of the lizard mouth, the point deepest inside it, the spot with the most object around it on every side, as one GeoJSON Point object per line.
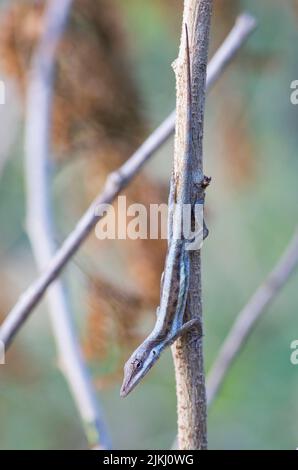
{"type": "Point", "coordinates": [123, 391]}
{"type": "Point", "coordinates": [130, 383]}
{"type": "Point", "coordinates": [127, 387]}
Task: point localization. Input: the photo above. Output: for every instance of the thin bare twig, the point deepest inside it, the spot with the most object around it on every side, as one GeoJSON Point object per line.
{"type": "Point", "coordinates": [40, 225]}
{"type": "Point", "coordinates": [247, 319]}
{"type": "Point", "coordinates": [114, 184]}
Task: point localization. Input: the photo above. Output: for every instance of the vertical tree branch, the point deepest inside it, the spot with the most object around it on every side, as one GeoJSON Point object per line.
{"type": "Point", "coordinates": [188, 350]}
{"type": "Point", "coordinates": [246, 320]}
{"type": "Point", "coordinates": [40, 225]}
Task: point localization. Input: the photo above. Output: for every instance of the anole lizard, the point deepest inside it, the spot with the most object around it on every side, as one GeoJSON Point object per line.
{"type": "Point", "coordinates": [170, 322]}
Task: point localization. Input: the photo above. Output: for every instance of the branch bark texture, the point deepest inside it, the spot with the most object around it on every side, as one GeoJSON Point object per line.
{"type": "Point", "coordinates": [247, 319]}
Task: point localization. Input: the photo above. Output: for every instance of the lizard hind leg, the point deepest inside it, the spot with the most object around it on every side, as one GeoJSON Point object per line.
{"type": "Point", "coordinates": [194, 323]}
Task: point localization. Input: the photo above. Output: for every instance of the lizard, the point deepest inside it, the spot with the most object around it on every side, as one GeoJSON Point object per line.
{"type": "Point", "coordinates": [170, 322]}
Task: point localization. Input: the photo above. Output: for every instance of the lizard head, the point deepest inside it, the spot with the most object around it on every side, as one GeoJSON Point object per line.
{"type": "Point", "coordinates": [137, 366]}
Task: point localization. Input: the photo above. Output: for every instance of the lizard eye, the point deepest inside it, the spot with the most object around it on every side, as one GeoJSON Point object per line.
{"type": "Point", "coordinates": [153, 352]}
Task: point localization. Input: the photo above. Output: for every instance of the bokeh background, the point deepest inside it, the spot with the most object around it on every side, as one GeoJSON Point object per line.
{"type": "Point", "coordinates": [251, 143]}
